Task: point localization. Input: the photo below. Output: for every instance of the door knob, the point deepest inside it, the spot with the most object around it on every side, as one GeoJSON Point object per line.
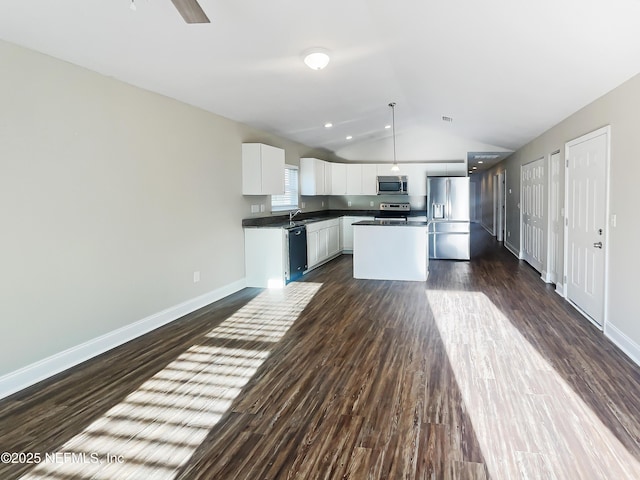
{"type": "Point", "coordinates": [598, 244]}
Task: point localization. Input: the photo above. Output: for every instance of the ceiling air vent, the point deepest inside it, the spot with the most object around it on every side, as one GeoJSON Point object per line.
{"type": "Point", "coordinates": [447, 119]}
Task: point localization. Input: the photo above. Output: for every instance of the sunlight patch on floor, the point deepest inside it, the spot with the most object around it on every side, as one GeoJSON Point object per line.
{"type": "Point", "coordinates": [529, 422]}
{"type": "Point", "coordinates": [158, 427]}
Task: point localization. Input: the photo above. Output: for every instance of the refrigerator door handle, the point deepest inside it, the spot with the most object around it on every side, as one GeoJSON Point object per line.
{"type": "Point", "coordinates": [448, 212]}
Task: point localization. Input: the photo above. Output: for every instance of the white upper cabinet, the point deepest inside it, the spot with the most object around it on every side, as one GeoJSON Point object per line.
{"type": "Point", "coordinates": [361, 178]}
{"type": "Point", "coordinates": [437, 170]}
{"type": "Point", "coordinates": [312, 176]}
{"type": "Point", "coordinates": [457, 169]}
{"type": "Point", "coordinates": [416, 178]}
{"type": "Point", "coordinates": [328, 175]}
{"type": "Point", "coordinates": [318, 177]}
{"type": "Point", "coordinates": [338, 178]}
{"type": "Point", "coordinates": [369, 180]}
{"type": "Point", "coordinates": [354, 178]}
{"type": "Point", "coordinates": [262, 169]}
{"type": "Point", "coordinates": [384, 169]}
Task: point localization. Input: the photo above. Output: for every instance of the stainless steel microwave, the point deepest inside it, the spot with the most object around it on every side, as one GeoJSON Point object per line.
{"type": "Point", "coordinates": [392, 185]}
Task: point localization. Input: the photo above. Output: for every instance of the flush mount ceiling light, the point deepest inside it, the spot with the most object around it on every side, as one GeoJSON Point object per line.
{"type": "Point", "coordinates": [328, 125]}
{"type": "Point", "coordinates": [316, 58]}
{"type": "Point", "coordinates": [348, 137]}
{"type": "Point", "coordinates": [132, 5]}
{"type": "Point", "coordinates": [394, 167]}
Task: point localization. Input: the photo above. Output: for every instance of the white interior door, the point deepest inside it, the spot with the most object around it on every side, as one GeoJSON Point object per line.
{"type": "Point", "coordinates": [555, 221]}
{"type": "Point", "coordinates": [533, 217]}
{"type": "Point", "coordinates": [586, 199]}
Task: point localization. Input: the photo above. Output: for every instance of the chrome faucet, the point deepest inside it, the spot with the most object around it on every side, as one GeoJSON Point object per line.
{"type": "Point", "coordinates": [293, 214]}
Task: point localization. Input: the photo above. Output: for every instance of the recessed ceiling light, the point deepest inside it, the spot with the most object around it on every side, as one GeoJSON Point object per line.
{"type": "Point", "coordinates": [475, 168]}
{"type": "Point", "coordinates": [480, 161]}
{"type": "Point", "coordinates": [349, 137]}
{"type": "Point", "coordinates": [316, 58]}
{"type": "Point", "coordinates": [328, 125]}
{"type": "Point", "coordinates": [387, 126]}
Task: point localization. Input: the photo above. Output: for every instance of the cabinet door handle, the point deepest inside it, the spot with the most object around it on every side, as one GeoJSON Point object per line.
{"type": "Point", "coordinates": [598, 244]}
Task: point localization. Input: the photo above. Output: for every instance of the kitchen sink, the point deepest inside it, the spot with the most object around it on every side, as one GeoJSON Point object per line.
{"type": "Point", "coordinates": [295, 224]}
{"type": "Point", "coordinates": [300, 223]}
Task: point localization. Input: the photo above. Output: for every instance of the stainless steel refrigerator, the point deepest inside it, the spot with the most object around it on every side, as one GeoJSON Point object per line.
{"type": "Point", "coordinates": [448, 216]}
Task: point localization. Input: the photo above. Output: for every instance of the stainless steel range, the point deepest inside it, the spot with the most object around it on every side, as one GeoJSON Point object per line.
{"type": "Point", "coordinates": [394, 211]}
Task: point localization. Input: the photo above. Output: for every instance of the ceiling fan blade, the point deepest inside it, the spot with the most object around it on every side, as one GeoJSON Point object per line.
{"type": "Point", "coordinates": [191, 11]}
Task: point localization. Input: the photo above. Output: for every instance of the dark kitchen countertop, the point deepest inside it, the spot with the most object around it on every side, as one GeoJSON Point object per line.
{"type": "Point", "coordinates": [282, 221]}
{"type": "Point", "coordinates": [391, 223]}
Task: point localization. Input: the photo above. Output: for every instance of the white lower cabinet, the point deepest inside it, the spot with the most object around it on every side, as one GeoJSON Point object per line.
{"type": "Point", "coordinates": [333, 239]}
{"type": "Point", "coordinates": [323, 241]}
{"type": "Point", "coordinates": [313, 240]}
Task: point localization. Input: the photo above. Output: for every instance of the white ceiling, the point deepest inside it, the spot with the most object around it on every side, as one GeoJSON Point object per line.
{"type": "Point", "coordinates": [505, 70]}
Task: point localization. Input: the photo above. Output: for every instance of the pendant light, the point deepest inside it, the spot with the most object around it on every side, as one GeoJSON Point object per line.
{"type": "Point", "coordinates": [394, 167]}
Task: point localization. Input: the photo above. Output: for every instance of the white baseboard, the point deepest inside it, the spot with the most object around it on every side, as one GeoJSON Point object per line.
{"type": "Point", "coordinates": [545, 276]}
{"type": "Point", "coordinates": [47, 367]}
{"type": "Point", "coordinates": [560, 289]}
{"type": "Point", "coordinates": [512, 249]}
{"type": "Point", "coordinates": [490, 230]}
{"type": "Point", "coordinates": [624, 343]}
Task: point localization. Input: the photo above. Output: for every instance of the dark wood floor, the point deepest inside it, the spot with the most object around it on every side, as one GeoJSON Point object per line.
{"type": "Point", "coordinates": [484, 372]}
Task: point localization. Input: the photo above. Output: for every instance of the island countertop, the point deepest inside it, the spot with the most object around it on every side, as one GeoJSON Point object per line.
{"type": "Point", "coordinates": [391, 223]}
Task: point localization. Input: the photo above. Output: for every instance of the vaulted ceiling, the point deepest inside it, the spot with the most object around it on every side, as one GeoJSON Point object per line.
{"type": "Point", "coordinates": [503, 70]}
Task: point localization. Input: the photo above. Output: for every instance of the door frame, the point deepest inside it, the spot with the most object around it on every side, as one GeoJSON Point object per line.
{"type": "Point", "coordinates": [504, 203]}
{"type": "Point", "coordinates": [500, 230]}
{"type": "Point", "coordinates": [607, 173]}
{"type": "Point", "coordinates": [495, 205]}
{"type": "Point", "coordinates": [548, 277]}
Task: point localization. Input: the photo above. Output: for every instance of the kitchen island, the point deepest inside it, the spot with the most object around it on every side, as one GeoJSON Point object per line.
{"type": "Point", "coordinates": [390, 250]}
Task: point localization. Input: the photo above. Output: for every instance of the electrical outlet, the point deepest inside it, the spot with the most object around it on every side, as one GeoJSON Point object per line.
{"type": "Point", "coordinates": [262, 207]}
{"type": "Point", "coordinates": [348, 204]}
{"type": "Point", "coordinates": [255, 208]}
{"type": "Point", "coordinates": [508, 233]}
{"type": "Point", "coordinates": [323, 203]}
{"type": "Point", "coordinates": [371, 203]}
{"type": "Point", "coordinates": [196, 277]}
{"type": "Point", "coordinates": [303, 204]}
{"type": "Point", "coordinates": [614, 220]}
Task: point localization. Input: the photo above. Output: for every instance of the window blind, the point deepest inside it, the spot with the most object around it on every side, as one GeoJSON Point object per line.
{"type": "Point", "coordinates": [289, 200]}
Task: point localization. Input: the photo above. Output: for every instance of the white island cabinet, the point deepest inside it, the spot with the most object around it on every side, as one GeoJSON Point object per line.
{"type": "Point", "coordinates": [384, 250]}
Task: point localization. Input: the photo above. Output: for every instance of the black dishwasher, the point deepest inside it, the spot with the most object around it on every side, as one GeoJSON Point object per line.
{"type": "Point", "coordinates": [297, 237]}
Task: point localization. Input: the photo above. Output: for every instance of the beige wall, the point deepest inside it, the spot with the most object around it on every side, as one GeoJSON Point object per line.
{"type": "Point", "coordinates": [110, 198]}
{"type": "Point", "coordinates": [618, 108]}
